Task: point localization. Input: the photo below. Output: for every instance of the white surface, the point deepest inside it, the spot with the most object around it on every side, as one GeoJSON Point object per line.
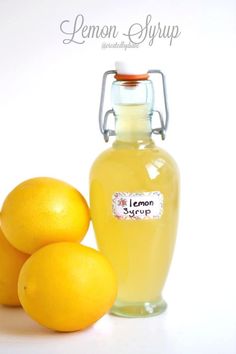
{"type": "Point", "coordinates": [195, 323]}
{"type": "Point", "coordinates": [200, 318]}
{"type": "Point", "coordinates": [49, 98]}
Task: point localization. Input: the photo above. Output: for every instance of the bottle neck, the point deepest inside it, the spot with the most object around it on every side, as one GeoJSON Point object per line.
{"type": "Point", "coordinates": [132, 103]}
{"type": "Point", "coordinates": [132, 125]}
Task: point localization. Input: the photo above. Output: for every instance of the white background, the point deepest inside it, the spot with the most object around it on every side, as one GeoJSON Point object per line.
{"type": "Point", "coordinates": [49, 97]}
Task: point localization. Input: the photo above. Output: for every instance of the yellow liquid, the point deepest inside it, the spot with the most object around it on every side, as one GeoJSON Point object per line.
{"type": "Point", "coordinates": [139, 250]}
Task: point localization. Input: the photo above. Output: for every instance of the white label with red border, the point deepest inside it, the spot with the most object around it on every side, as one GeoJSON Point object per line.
{"type": "Point", "coordinates": [137, 206]}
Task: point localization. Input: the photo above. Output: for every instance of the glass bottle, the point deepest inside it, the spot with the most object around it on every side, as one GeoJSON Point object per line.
{"type": "Point", "coordinates": [134, 187]}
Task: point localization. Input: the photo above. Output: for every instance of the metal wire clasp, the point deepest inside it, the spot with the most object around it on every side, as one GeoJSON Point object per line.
{"type": "Point", "coordinates": [103, 120]}
{"type": "Point", "coordinates": [164, 121]}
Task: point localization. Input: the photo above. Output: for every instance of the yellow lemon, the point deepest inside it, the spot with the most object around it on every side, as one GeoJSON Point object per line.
{"type": "Point", "coordinates": [11, 261]}
{"type": "Point", "coordinates": [44, 210]}
{"type": "Point", "coordinates": [66, 286]}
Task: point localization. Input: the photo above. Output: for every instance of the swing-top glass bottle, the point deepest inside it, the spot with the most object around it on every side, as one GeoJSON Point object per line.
{"type": "Point", "coordinates": [134, 192]}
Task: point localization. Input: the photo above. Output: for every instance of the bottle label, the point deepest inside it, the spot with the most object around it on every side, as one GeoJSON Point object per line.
{"type": "Point", "coordinates": [135, 206]}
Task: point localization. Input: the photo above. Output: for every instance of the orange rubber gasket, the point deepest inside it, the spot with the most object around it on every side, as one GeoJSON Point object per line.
{"type": "Point", "coordinates": [125, 77]}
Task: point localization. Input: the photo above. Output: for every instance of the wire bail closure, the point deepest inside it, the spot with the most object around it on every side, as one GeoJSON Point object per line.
{"type": "Point", "coordinates": [103, 120]}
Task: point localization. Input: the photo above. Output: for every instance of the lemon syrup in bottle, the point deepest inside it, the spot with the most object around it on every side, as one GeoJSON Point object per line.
{"type": "Point", "coordinates": [134, 187]}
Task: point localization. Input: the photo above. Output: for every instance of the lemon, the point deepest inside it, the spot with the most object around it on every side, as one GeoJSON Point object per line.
{"type": "Point", "coordinates": [66, 286]}
{"type": "Point", "coordinates": [11, 261]}
{"type": "Point", "coordinates": [44, 210]}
